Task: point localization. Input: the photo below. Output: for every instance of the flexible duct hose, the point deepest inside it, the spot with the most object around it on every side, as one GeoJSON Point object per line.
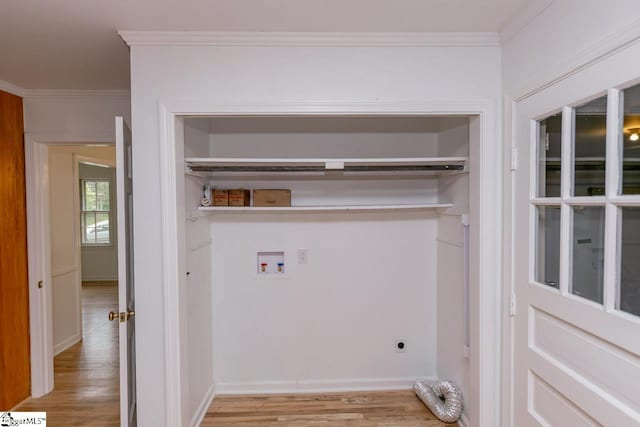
{"type": "Point", "coordinates": [442, 398]}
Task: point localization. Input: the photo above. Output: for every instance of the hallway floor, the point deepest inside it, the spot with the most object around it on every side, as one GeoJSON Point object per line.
{"type": "Point", "coordinates": [86, 376]}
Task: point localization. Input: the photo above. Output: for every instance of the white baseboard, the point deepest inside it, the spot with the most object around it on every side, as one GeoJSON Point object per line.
{"type": "Point", "coordinates": [318, 386]}
{"type": "Point", "coordinates": [100, 279]}
{"type": "Point", "coordinates": [62, 346]}
{"type": "Point", "coordinates": [198, 416]}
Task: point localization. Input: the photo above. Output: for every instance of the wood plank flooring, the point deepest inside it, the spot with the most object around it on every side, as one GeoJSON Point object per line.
{"type": "Point", "coordinates": [86, 376]}
{"type": "Point", "coordinates": [361, 409]}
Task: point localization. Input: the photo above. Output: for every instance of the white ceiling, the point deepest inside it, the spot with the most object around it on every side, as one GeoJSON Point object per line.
{"type": "Point", "coordinates": [73, 44]}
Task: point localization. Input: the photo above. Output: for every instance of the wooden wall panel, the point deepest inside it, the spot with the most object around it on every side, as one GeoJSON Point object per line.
{"type": "Point", "coordinates": [15, 378]}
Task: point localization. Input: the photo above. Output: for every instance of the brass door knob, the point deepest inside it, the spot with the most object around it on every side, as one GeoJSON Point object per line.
{"type": "Point", "coordinates": [113, 315]}
{"type": "Point", "coordinates": [130, 313]}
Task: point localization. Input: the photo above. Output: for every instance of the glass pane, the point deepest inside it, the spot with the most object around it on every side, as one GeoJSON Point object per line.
{"type": "Point", "coordinates": [549, 149]}
{"type": "Point", "coordinates": [102, 228]}
{"type": "Point", "coordinates": [588, 252]}
{"type": "Point", "coordinates": [629, 299]}
{"type": "Point", "coordinates": [102, 203]}
{"type": "Point", "coordinates": [631, 141]}
{"type": "Point", "coordinates": [88, 227]}
{"type": "Point", "coordinates": [590, 148]}
{"type": "Point", "coordinates": [548, 246]}
{"type": "Point", "coordinates": [89, 200]}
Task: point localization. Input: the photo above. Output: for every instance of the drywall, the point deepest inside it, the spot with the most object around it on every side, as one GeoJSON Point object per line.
{"type": "Point", "coordinates": [101, 262]}
{"type": "Point", "coordinates": [450, 360]}
{"type": "Point", "coordinates": [66, 259]}
{"type": "Point", "coordinates": [330, 324]}
{"type": "Point", "coordinates": [74, 116]}
{"type": "Point", "coordinates": [65, 252]}
{"type": "Point", "coordinates": [246, 75]}
{"type": "Point", "coordinates": [198, 336]}
{"type": "Point", "coordinates": [565, 32]}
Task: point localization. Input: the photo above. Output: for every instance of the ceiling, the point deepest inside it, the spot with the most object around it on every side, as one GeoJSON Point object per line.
{"type": "Point", "coordinates": [73, 44]}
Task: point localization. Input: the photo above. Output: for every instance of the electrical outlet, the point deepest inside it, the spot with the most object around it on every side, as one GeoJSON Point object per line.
{"type": "Point", "coordinates": [401, 346]}
{"type": "Point", "coordinates": [303, 256]}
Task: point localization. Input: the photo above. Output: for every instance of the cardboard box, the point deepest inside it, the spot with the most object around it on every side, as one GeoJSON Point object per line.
{"type": "Point", "coordinates": [239, 197]}
{"type": "Point", "coordinates": [271, 198]}
{"type": "Point", "coordinates": [220, 197]}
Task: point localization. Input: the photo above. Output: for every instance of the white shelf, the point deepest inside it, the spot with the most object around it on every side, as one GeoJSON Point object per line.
{"type": "Point", "coordinates": [321, 209]}
{"type": "Point", "coordinates": [245, 166]}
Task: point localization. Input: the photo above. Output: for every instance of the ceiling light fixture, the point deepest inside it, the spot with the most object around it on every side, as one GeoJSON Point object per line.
{"type": "Point", "coordinates": [635, 135]}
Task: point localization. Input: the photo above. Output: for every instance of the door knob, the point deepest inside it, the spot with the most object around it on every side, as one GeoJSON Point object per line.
{"type": "Point", "coordinates": [130, 313]}
{"type": "Point", "coordinates": [113, 315]}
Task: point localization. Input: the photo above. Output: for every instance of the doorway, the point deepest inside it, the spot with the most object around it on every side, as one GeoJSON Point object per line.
{"type": "Point", "coordinates": [80, 263]}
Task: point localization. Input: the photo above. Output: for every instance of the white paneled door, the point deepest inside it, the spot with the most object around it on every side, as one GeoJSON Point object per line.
{"type": "Point", "coordinates": [577, 260]}
{"type": "Point", "coordinates": [126, 314]}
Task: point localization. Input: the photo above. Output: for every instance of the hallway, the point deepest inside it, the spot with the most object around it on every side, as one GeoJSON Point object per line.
{"type": "Point", "coordinates": [86, 375]}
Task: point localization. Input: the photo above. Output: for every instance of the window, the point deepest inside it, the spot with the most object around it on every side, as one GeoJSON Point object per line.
{"type": "Point", "coordinates": [95, 214]}
{"type": "Point", "coordinates": [585, 202]}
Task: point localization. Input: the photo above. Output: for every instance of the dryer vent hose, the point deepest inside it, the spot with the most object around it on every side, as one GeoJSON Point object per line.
{"type": "Point", "coordinates": [443, 398]}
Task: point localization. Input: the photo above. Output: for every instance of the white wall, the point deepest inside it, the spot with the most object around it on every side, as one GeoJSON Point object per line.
{"type": "Point", "coordinates": [258, 75]}
{"type": "Point", "coordinates": [101, 262]}
{"type": "Point", "coordinates": [75, 116]}
{"type": "Point", "coordinates": [65, 252]}
{"type": "Point", "coordinates": [565, 32]}
{"type": "Point", "coordinates": [199, 329]}
{"type": "Point", "coordinates": [65, 240]}
{"type": "Point", "coordinates": [331, 324]}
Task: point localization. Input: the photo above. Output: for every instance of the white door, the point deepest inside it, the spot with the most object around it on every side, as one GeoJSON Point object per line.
{"type": "Point", "coordinates": [576, 261]}
{"type": "Point", "coordinates": [126, 304]}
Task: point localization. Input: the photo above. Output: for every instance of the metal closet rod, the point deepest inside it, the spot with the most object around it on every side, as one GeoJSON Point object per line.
{"type": "Point", "coordinates": [347, 168]}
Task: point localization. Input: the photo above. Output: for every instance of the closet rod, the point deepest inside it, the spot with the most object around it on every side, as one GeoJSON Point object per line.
{"type": "Point", "coordinates": [347, 168]}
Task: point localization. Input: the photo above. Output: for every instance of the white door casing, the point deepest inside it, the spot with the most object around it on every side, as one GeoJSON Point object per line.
{"type": "Point", "coordinates": [576, 362]}
{"type": "Point", "coordinates": [126, 305]}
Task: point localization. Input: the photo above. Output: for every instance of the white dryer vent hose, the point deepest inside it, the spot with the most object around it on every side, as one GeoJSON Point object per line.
{"type": "Point", "coordinates": [443, 398]}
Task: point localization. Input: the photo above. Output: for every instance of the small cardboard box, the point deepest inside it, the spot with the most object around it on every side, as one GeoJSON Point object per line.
{"type": "Point", "coordinates": [220, 197]}
{"type": "Point", "coordinates": [239, 197]}
{"type": "Point", "coordinates": [272, 198]}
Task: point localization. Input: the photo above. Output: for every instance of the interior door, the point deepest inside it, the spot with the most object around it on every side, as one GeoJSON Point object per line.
{"type": "Point", "coordinates": [577, 287]}
{"type": "Point", "coordinates": [15, 378]}
{"type": "Point", "coordinates": [126, 305]}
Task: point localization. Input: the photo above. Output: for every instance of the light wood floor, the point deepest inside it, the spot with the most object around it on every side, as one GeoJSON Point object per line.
{"type": "Point", "coordinates": [86, 375]}
{"type": "Point", "coordinates": [366, 409]}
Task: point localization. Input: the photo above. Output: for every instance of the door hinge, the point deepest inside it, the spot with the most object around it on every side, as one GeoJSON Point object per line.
{"type": "Point", "coordinates": [40, 284]}
{"type": "Point", "coordinates": [514, 158]}
{"type": "Point", "coordinates": [512, 306]}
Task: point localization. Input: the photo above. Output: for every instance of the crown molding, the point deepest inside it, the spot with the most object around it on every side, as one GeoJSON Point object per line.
{"type": "Point", "coordinates": [77, 93]}
{"type": "Point", "coordinates": [309, 39]}
{"type": "Point", "coordinates": [523, 18]}
{"type": "Point", "coordinates": [11, 88]}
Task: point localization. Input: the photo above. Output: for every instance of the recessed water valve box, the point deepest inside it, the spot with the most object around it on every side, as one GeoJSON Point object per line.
{"type": "Point", "coordinates": [270, 263]}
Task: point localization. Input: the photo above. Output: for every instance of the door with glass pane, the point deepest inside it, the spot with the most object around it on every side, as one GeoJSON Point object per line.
{"type": "Point", "coordinates": [577, 262]}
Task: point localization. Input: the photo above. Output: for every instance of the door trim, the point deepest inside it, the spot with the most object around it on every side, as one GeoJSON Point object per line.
{"type": "Point", "coordinates": [39, 252]}
{"type": "Point", "coordinates": [487, 172]}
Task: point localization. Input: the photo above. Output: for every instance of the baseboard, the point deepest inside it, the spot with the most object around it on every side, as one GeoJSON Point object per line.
{"type": "Point", "coordinates": [318, 386]}
{"type": "Point", "coordinates": [262, 387]}
{"type": "Point", "coordinates": [100, 279]}
{"type": "Point", "coordinates": [60, 347]}
{"type": "Point", "coordinates": [197, 418]}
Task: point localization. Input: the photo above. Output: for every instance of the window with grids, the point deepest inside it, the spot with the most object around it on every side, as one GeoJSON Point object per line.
{"type": "Point", "coordinates": [95, 214]}
{"type": "Point", "coordinates": [586, 201]}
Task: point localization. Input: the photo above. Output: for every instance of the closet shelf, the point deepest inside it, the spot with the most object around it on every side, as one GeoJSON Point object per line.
{"type": "Point", "coordinates": [320, 209]}
{"type": "Point", "coordinates": [357, 166]}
